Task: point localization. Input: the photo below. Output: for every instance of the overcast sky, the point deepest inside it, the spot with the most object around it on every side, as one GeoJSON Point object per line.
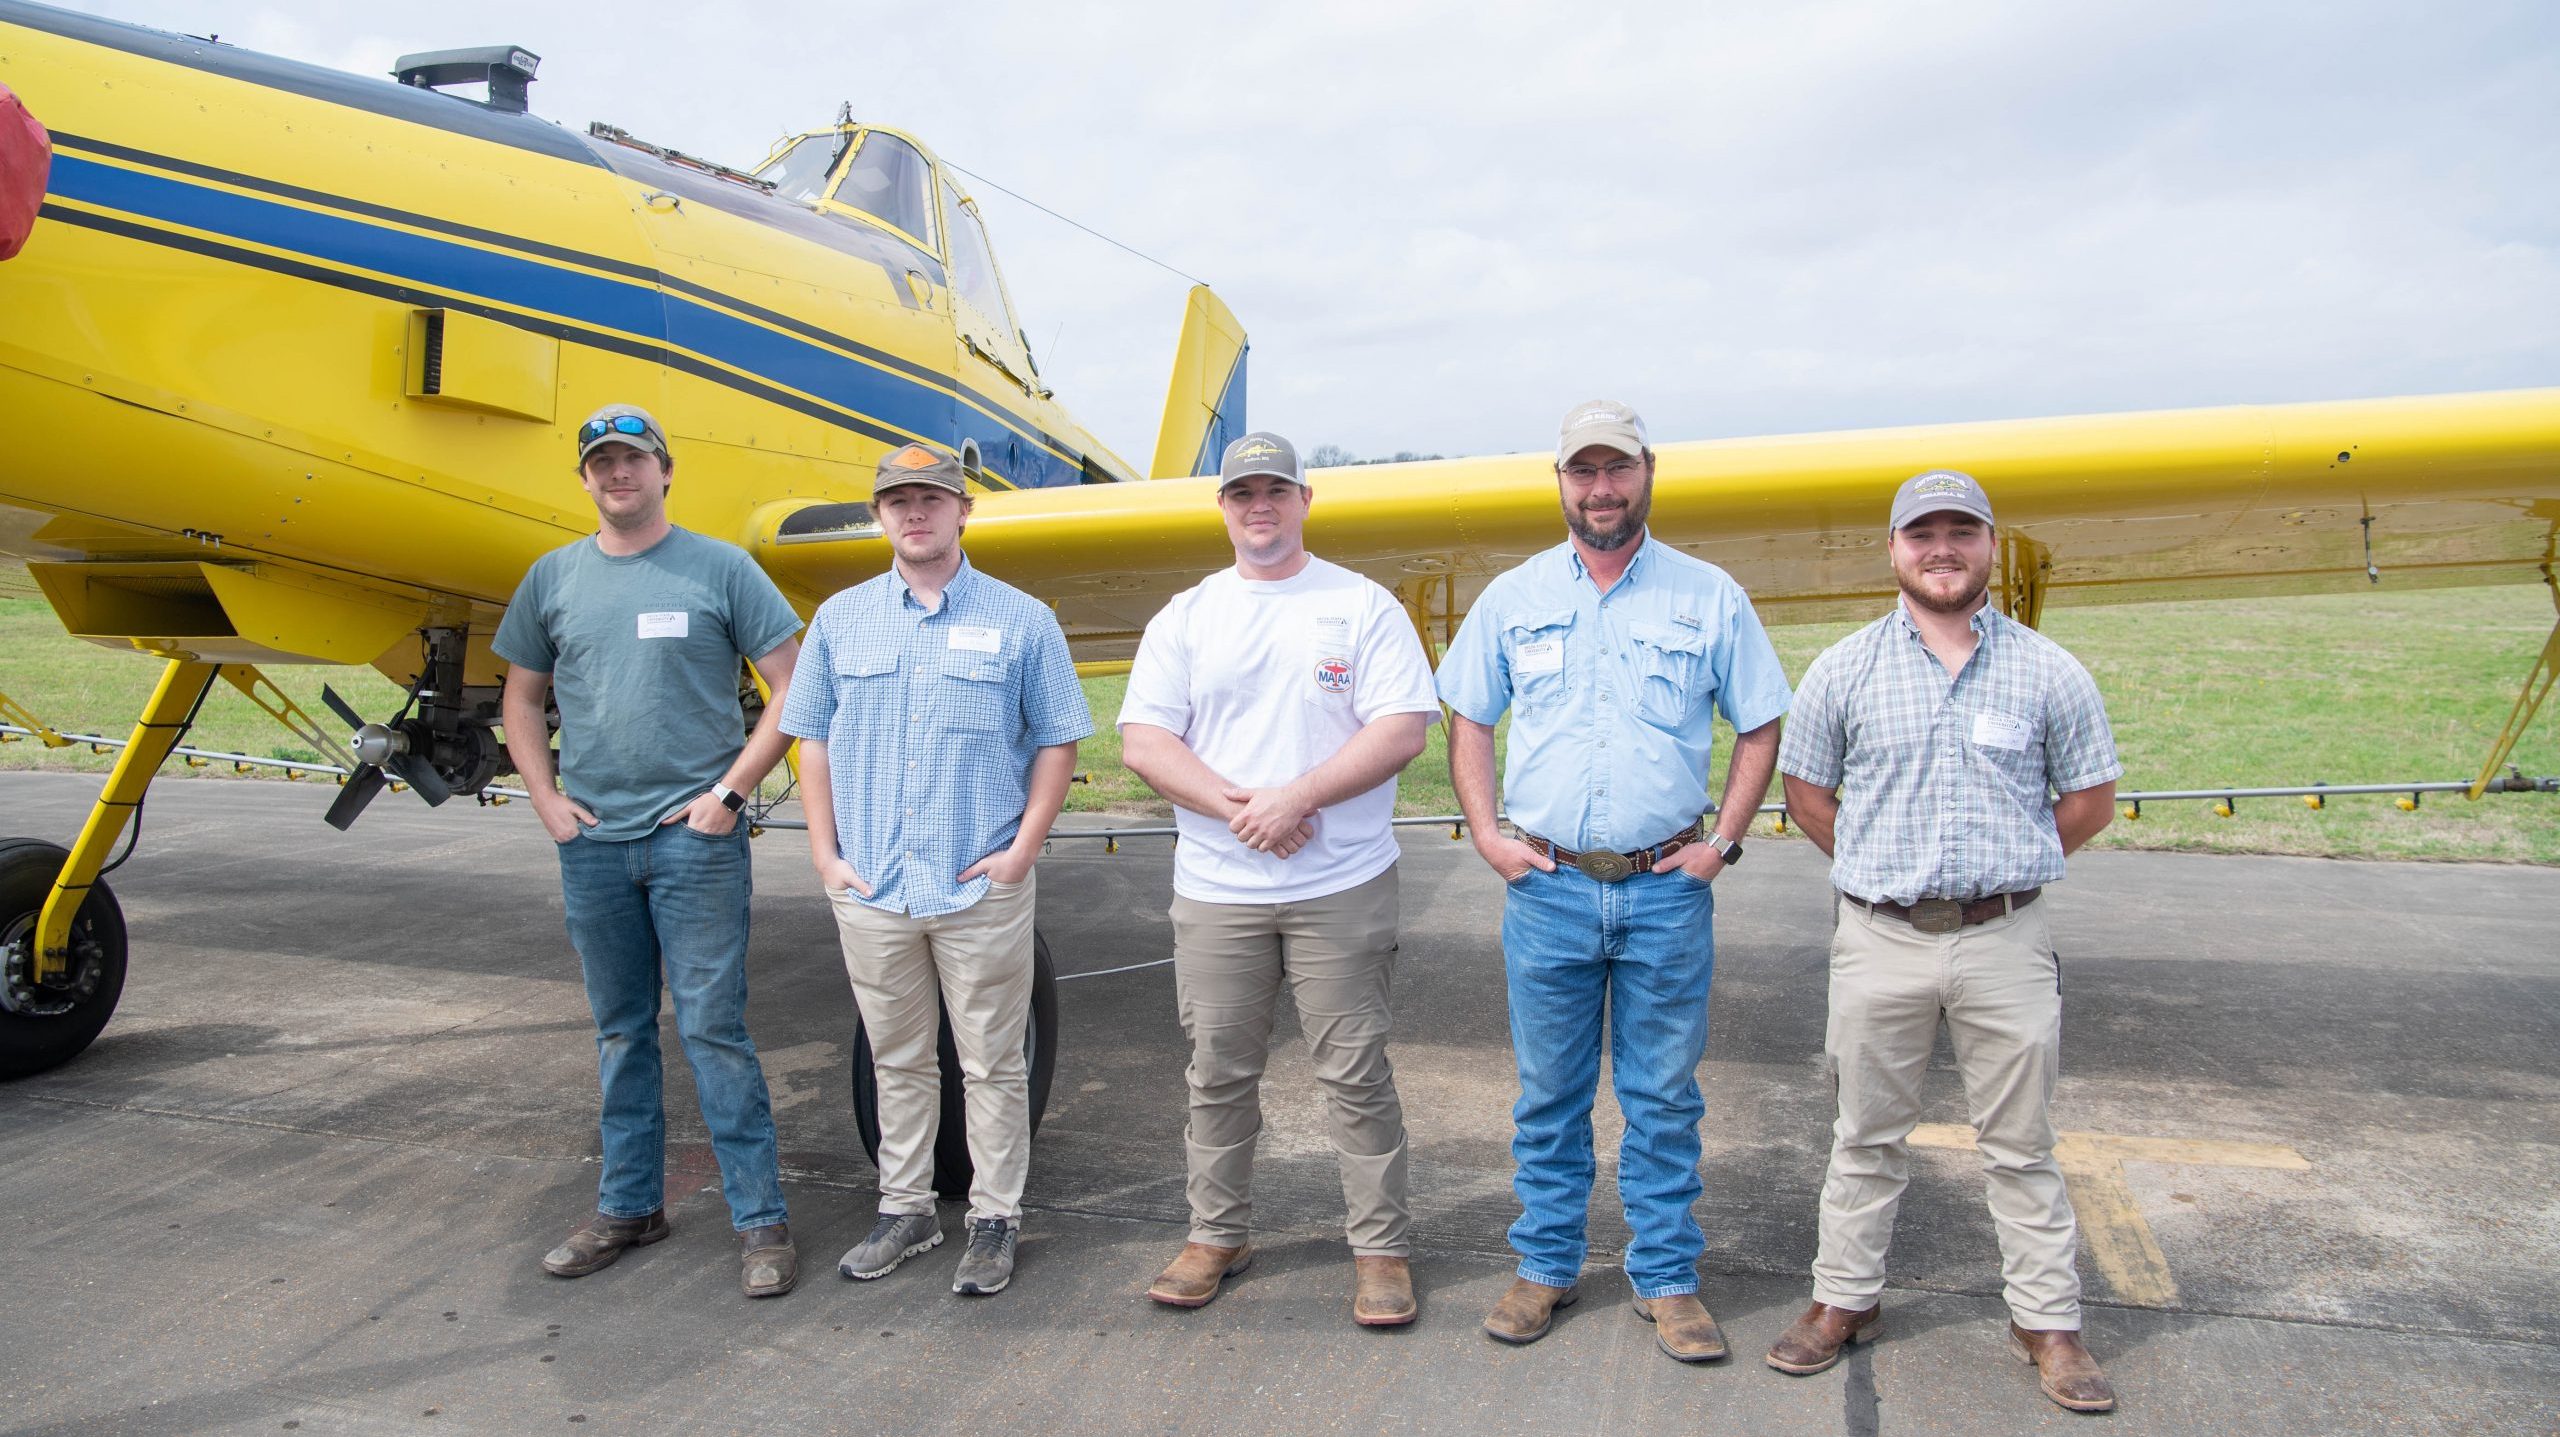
{"type": "Point", "coordinates": [1443, 224]}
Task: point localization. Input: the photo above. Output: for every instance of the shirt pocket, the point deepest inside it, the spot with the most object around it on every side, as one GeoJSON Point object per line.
{"type": "Point", "coordinates": [866, 683]}
{"type": "Point", "coordinates": [976, 692]}
{"type": "Point", "coordinates": [1535, 649]}
{"type": "Point", "coordinates": [1671, 672]}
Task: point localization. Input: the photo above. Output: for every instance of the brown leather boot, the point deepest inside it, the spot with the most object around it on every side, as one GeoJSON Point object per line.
{"type": "Point", "coordinates": [601, 1239]}
{"type": "Point", "coordinates": [1683, 1328]}
{"type": "Point", "coordinates": [1382, 1291]}
{"type": "Point", "coordinates": [1526, 1312]}
{"type": "Point", "coordinates": [1192, 1278]}
{"type": "Point", "coordinates": [2068, 1374]}
{"type": "Point", "coordinates": [1812, 1343]}
{"type": "Point", "coordinates": [768, 1264]}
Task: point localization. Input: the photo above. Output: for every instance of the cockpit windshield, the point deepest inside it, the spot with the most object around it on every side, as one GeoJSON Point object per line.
{"type": "Point", "coordinates": [800, 173]}
{"type": "Point", "coordinates": [890, 180]}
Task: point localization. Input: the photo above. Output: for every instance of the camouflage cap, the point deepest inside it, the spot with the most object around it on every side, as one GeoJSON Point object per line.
{"type": "Point", "coordinates": [601, 429]}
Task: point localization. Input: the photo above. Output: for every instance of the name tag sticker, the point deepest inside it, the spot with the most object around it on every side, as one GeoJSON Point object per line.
{"type": "Point", "coordinates": [971, 637]}
{"type": "Point", "coordinates": [2001, 731]}
{"type": "Point", "coordinates": [1545, 656]}
{"type": "Point", "coordinates": [674, 624]}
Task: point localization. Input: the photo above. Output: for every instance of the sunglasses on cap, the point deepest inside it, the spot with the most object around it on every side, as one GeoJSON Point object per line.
{"type": "Point", "coordinates": [595, 429]}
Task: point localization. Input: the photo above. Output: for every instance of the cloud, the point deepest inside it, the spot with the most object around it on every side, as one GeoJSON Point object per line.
{"type": "Point", "coordinates": [1446, 222]}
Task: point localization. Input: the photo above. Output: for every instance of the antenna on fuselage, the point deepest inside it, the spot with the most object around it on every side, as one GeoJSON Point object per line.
{"type": "Point", "coordinates": [506, 69]}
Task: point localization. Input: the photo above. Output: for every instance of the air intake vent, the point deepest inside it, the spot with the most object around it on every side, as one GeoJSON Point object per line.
{"type": "Point", "coordinates": [431, 354]}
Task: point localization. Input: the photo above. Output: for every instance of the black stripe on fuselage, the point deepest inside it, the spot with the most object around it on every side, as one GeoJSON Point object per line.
{"type": "Point", "coordinates": [411, 294]}
{"type": "Point", "coordinates": [561, 254]}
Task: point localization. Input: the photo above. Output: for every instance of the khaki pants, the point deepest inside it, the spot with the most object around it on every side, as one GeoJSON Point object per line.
{"type": "Point", "coordinates": [1337, 954]}
{"type": "Point", "coordinates": [905, 971]}
{"type": "Point", "coordinates": [1998, 985]}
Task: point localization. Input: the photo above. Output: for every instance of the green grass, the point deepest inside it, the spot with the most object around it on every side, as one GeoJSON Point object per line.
{"type": "Point", "coordinates": [2352, 688]}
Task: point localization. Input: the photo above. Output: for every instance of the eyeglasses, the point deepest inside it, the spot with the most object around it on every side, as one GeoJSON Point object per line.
{"type": "Point", "coordinates": [1620, 470]}
{"type": "Point", "coordinates": [595, 429]}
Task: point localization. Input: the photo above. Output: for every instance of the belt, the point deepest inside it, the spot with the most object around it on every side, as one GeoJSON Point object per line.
{"type": "Point", "coordinates": [1945, 915]}
{"type": "Point", "coordinates": [1610, 867]}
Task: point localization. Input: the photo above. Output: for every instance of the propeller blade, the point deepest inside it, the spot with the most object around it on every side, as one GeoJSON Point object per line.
{"type": "Point", "coordinates": [339, 707]}
{"type": "Point", "coordinates": [413, 770]}
{"type": "Point", "coordinates": [361, 786]}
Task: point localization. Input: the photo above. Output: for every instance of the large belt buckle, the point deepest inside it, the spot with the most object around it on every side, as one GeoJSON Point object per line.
{"type": "Point", "coordinates": [1937, 915]}
{"type": "Point", "coordinates": [1604, 867]}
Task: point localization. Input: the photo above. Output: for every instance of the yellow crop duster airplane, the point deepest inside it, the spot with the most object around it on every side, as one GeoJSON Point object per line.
{"type": "Point", "coordinates": [288, 364]}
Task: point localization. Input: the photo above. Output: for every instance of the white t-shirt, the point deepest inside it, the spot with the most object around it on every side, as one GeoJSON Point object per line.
{"type": "Point", "coordinates": [1264, 680]}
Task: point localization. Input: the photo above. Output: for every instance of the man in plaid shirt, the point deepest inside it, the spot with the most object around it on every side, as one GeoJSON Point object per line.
{"type": "Point", "coordinates": [1926, 755]}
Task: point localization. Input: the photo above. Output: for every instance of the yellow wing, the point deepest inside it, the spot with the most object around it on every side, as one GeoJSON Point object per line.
{"type": "Point", "coordinates": [2454, 489]}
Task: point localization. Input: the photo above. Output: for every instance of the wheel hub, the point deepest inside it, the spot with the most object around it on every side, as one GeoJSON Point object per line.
{"type": "Point", "coordinates": [21, 994]}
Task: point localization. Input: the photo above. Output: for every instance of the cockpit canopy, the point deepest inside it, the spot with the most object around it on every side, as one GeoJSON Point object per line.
{"type": "Point", "coordinates": [886, 179]}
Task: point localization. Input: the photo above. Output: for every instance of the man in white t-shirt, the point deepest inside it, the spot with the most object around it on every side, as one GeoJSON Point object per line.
{"type": "Point", "coordinates": [1274, 703]}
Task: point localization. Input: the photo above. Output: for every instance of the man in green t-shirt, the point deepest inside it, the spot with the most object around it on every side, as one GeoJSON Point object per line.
{"type": "Point", "coordinates": [637, 632]}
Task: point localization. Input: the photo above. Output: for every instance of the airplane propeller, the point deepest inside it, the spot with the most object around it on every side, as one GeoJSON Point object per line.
{"type": "Point", "coordinates": [379, 747]}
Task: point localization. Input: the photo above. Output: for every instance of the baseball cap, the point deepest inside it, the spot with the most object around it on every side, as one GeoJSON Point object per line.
{"type": "Point", "coordinates": [920, 464]}
{"type": "Point", "coordinates": [1602, 421]}
{"type": "Point", "coordinates": [621, 424]}
{"type": "Point", "coordinates": [1936, 490]}
{"type": "Point", "coordinates": [1261, 453]}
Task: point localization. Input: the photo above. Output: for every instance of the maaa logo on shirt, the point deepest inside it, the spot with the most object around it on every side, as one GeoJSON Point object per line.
{"type": "Point", "coordinates": [1334, 676]}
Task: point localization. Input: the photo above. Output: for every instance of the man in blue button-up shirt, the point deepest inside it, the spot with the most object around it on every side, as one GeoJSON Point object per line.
{"type": "Point", "coordinates": [938, 726]}
{"type": "Point", "coordinates": [1613, 654]}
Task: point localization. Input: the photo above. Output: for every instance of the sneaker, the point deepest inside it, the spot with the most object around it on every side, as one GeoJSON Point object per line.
{"type": "Point", "coordinates": [896, 1237]}
{"type": "Point", "coordinates": [988, 1264]}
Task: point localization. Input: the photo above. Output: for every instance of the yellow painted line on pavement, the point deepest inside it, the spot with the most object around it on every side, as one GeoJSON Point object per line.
{"type": "Point", "coordinates": [2111, 1222]}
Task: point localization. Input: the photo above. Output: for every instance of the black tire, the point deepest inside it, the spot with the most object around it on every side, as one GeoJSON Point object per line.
{"type": "Point", "coordinates": [951, 1167]}
{"type": "Point", "coordinates": [33, 1042]}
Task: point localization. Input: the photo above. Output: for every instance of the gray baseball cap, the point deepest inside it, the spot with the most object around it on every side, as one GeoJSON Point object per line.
{"type": "Point", "coordinates": [1261, 453]}
{"type": "Point", "coordinates": [919, 464]}
{"type": "Point", "coordinates": [621, 424]}
{"type": "Point", "coordinates": [1939, 489]}
{"type": "Point", "coordinates": [1605, 422]}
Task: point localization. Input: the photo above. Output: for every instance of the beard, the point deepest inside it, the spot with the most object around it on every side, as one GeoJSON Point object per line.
{"type": "Point", "coordinates": [1629, 527]}
{"type": "Point", "coordinates": [1975, 582]}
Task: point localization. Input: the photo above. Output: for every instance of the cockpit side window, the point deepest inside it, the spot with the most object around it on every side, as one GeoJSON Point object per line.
{"type": "Point", "coordinates": [890, 180]}
{"type": "Point", "coordinates": [799, 174]}
{"type": "Point", "coordinates": [973, 263]}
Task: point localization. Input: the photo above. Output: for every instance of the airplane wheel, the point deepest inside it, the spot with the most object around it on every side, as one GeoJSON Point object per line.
{"type": "Point", "coordinates": [45, 1027]}
{"type": "Point", "coordinates": [951, 1167]}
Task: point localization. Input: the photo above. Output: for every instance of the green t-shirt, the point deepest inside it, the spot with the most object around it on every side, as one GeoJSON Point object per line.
{"type": "Point", "coordinates": [643, 654]}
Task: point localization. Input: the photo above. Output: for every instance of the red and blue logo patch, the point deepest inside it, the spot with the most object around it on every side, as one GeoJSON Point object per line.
{"type": "Point", "coordinates": [1334, 676]}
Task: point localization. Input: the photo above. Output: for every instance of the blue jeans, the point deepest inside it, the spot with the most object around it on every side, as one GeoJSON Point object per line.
{"type": "Point", "coordinates": [677, 898]}
{"type": "Point", "coordinates": [1646, 947]}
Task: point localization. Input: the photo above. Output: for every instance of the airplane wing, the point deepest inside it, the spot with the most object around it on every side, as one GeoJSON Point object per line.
{"type": "Point", "coordinates": [2203, 503]}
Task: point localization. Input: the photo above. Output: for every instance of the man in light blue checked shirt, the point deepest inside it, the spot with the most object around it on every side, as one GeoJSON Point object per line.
{"type": "Point", "coordinates": [1925, 756]}
{"type": "Point", "coordinates": [1614, 654]}
{"type": "Point", "coordinates": [938, 717]}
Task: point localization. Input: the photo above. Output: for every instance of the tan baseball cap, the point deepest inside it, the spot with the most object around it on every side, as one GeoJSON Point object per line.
{"type": "Point", "coordinates": [920, 464]}
{"type": "Point", "coordinates": [1605, 422]}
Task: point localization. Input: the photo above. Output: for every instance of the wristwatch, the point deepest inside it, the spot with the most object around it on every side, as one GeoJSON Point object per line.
{"type": "Point", "coordinates": [735, 801]}
{"type": "Point", "coordinates": [1729, 848]}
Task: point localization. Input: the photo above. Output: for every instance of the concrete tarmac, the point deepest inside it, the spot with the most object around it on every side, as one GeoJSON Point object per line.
{"type": "Point", "coordinates": [302, 1181]}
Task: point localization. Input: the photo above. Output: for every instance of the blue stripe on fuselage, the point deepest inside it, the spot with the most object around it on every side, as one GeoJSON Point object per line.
{"type": "Point", "coordinates": [567, 294]}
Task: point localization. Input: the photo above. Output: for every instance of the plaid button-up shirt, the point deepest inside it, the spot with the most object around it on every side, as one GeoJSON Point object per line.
{"type": "Point", "coordinates": [931, 718]}
{"type": "Point", "coordinates": [1946, 784]}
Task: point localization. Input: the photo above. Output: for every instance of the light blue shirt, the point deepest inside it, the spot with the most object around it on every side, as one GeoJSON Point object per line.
{"type": "Point", "coordinates": [931, 718]}
{"type": "Point", "coordinates": [1613, 697]}
{"type": "Point", "coordinates": [1946, 784]}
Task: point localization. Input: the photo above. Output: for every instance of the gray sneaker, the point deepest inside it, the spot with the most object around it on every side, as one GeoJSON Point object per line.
{"type": "Point", "coordinates": [896, 1237]}
{"type": "Point", "coordinates": [988, 1264]}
